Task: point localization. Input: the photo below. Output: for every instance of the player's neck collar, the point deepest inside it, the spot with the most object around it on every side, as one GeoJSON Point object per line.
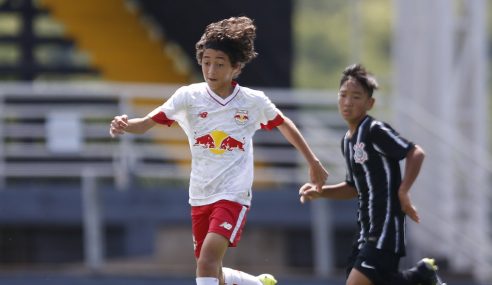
{"type": "Point", "coordinates": [226, 100]}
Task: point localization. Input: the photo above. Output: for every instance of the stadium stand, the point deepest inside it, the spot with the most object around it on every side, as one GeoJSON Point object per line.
{"type": "Point", "coordinates": [25, 46]}
{"type": "Point", "coordinates": [274, 41]}
{"type": "Point", "coordinates": [142, 41]}
{"type": "Point", "coordinates": [119, 44]}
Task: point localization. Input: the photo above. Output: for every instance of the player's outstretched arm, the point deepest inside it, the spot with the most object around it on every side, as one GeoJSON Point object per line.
{"type": "Point", "coordinates": [341, 191]}
{"type": "Point", "coordinates": [317, 172]}
{"type": "Point", "coordinates": [121, 124]}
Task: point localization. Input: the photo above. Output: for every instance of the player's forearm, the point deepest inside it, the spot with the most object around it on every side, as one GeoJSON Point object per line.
{"type": "Point", "coordinates": [139, 125]}
{"type": "Point", "coordinates": [341, 191]}
{"type": "Point", "coordinates": [293, 135]}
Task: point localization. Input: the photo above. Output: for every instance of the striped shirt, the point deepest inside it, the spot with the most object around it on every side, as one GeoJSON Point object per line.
{"type": "Point", "coordinates": [372, 156]}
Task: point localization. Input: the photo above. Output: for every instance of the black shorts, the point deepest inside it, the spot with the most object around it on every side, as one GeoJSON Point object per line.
{"type": "Point", "coordinates": [375, 264]}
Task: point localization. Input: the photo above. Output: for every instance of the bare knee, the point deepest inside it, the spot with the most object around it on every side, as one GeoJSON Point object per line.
{"type": "Point", "coordinates": [208, 267]}
{"type": "Point", "coordinates": [357, 278]}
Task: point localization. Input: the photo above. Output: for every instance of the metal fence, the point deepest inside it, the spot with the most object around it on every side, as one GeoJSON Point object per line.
{"type": "Point", "coordinates": [56, 130]}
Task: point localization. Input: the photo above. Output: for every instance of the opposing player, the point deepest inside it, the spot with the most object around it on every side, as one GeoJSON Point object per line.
{"type": "Point", "coordinates": [220, 118]}
{"type": "Point", "coordinates": [372, 151]}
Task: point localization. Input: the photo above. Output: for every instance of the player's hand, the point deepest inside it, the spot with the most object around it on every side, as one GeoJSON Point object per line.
{"type": "Point", "coordinates": [318, 174]}
{"type": "Point", "coordinates": [308, 192]}
{"type": "Point", "coordinates": [407, 207]}
{"type": "Point", "coordinates": [118, 125]}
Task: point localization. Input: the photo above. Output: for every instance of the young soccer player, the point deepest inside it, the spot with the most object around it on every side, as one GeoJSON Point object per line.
{"type": "Point", "coordinates": [372, 151]}
{"type": "Point", "coordinates": [220, 118]}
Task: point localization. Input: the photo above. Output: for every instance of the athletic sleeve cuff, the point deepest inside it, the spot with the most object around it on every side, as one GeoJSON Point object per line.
{"type": "Point", "coordinates": [162, 119]}
{"type": "Point", "coordinates": [273, 123]}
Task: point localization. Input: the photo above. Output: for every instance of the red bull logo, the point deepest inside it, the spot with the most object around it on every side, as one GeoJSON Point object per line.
{"type": "Point", "coordinates": [241, 117]}
{"type": "Point", "coordinates": [218, 142]}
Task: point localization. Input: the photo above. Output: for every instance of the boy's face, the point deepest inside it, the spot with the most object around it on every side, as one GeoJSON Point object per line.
{"type": "Point", "coordinates": [218, 71]}
{"type": "Point", "coordinates": [353, 101]}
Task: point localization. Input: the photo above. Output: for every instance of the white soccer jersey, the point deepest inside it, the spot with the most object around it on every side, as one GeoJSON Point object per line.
{"type": "Point", "coordinates": [220, 132]}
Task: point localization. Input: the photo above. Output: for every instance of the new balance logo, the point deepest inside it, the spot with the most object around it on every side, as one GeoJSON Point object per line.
{"type": "Point", "coordinates": [226, 226]}
{"type": "Point", "coordinates": [365, 265]}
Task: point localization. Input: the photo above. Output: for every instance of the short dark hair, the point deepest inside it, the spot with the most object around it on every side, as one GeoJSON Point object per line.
{"type": "Point", "coordinates": [235, 36]}
{"type": "Point", "coordinates": [359, 73]}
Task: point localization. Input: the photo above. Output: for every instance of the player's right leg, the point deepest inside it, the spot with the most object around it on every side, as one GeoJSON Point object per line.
{"type": "Point", "coordinates": [228, 221]}
{"type": "Point", "coordinates": [215, 226]}
{"type": "Point", "coordinates": [210, 248]}
{"type": "Point", "coordinates": [209, 262]}
{"type": "Point", "coordinates": [358, 278]}
{"type": "Point", "coordinates": [369, 266]}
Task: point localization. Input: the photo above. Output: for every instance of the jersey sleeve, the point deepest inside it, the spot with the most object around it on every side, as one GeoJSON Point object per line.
{"type": "Point", "coordinates": [270, 116]}
{"type": "Point", "coordinates": [174, 109]}
{"type": "Point", "coordinates": [388, 142]}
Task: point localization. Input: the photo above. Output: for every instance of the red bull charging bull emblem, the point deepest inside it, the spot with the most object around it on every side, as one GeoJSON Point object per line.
{"type": "Point", "coordinates": [218, 142]}
{"type": "Point", "coordinates": [241, 117]}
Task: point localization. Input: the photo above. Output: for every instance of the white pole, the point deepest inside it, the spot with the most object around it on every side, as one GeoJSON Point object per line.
{"type": "Point", "coordinates": [322, 238]}
{"type": "Point", "coordinates": [122, 156]}
{"type": "Point", "coordinates": [92, 222]}
{"type": "Point", "coordinates": [479, 125]}
{"type": "Point", "coordinates": [2, 146]}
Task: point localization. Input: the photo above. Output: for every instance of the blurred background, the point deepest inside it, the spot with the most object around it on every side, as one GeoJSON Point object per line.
{"type": "Point", "coordinates": [77, 207]}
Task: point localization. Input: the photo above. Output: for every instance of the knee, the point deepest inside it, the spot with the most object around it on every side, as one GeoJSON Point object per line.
{"type": "Point", "coordinates": [207, 267]}
{"type": "Point", "coordinates": [351, 282]}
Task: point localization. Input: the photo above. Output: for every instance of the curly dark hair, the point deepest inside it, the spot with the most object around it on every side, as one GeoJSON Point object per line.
{"type": "Point", "coordinates": [359, 73]}
{"type": "Point", "coordinates": [234, 36]}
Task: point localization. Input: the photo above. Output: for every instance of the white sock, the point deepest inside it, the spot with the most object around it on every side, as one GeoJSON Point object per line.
{"type": "Point", "coordinates": [207, 281]}
{"type": "Point", "coordinates": [232, 276]}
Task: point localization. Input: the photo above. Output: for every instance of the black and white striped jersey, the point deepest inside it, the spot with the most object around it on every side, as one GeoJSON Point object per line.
{"type": "Point", "coordinates": [372, 156]}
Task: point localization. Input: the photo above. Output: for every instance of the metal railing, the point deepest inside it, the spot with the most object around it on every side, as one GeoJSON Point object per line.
{"type": "Point", "coordinates": [55, 130]}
